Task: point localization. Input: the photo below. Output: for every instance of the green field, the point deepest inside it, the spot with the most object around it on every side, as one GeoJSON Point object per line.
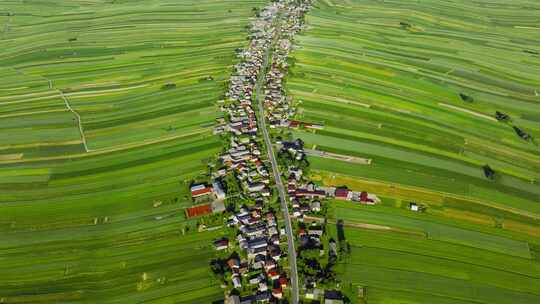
{"type": "Point", "coordinates": [392, 94]}
{"type": "Point", "coordinates": [107, 225]}
{"type": "Point", "coordinates": [385, 78]}
{"type": "Point", "coordinates": [424, 257]}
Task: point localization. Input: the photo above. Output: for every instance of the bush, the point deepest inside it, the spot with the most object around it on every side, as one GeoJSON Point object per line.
{"type": "Point", "coordinates": [168, 86]}
{"type": "Point", "coordinates": [466, 98]}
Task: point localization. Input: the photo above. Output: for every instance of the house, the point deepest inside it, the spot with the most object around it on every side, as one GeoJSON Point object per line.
{"type": "Point", "coordinates": [343, 194]}
{"type": "Point", "coordinates": [283, 282]}
{"type": "Point", "coordinates": [315, 230]}
{"type": "Point", "coordinates": [274, 239]}
{"type": "Point", "coordinates": [233, 263]}
{"type": "Point", "coordinates": [332, 250]}
{"type": "Point", "coordinates": [365, 199]}
{"type": "Point", "coordinates": [256, 279]}
{"type": "Point", "coordinates": [273, 274]}
{"type": "Point", "coordinates": [218, 190]}
{"type": "Point", "coordinates": [263, 296]}
{"type": "Point", "coordinates": [275, 253]}
{"type": "Point", "coordinates": [305, 207]}
{"type": "Point", "coordinates": [310, 194]}
{"type": "Point", "coordinates": [269, 265]}
{"type": "Point", "coordinates": [414, 207]}
{"type": "Point", "coordinates": [254, 252]}
{"type": "Point", "coordinates": [255, 187]}
{"type": "Point", "coordinates": [294, 124]}
{"type": "Point", "coordinates": [199, 190]}
{"type": "Point", "coordinates": [237, 282]}
{"type": "Point", "coordinates": [221, 244]}
{"type": "Point", "coordinates": [277, 293]}
{"type": "Point", "coordinates": [270, 218]}
{"type": "Point", "coordinates": [313, 294]}
{"type": "Point", "coordinates": [266, 192]}
{"type": "Point", "coordinates": [296, 173]}
{"type": "Point", "coordinates": [333, 297]}
{"type": "Point", "coordinates": [272, 231]}
{"type": "Point", "coordinates": [314, 126]}
{"type": "Point", "coordinates": [257, 243]}
{"type": "Point", "coordinates": [232, 299]}
{"type": "Point", "coordinates": [316, 206]}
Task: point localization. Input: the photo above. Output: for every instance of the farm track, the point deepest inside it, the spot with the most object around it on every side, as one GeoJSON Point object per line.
{"type": "Point", "coordinates": [79, 121]}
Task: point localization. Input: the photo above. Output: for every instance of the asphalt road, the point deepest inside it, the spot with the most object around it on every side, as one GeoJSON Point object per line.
{"type": "Point", "coordinates": [277, 176]}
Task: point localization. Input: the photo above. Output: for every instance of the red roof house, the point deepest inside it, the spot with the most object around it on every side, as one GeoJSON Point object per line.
{"type": "Point", "coordinates": [343, 194]}
{"type": "Point", "coordinates": [277, 293]}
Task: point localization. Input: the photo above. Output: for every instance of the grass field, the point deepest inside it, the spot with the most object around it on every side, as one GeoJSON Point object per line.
{"type": "Point", "coordinates": [403, 267]}
{"type": "Point", "coordinates": [385, 78]}
{"type": "Point", "coordinates": [104, 223]}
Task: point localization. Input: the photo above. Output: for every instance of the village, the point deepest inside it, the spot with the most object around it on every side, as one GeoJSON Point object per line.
{"type": "Point", "coordinates": [251, 259]}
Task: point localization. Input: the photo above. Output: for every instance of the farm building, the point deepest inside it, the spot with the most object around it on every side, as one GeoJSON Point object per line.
{"type": "Point", "coordinates": [199, 190]}
{"type": "Point", "coordinates": [199, 210]}
{"type": "Point", "coordinates": [343, 194]}
{"type": "Point", "coordinates": [218, 190]}
{"type": "Point", "coordinates": [310, 194]}
{"type": "Point", "coordinates": [221, 244]}
{"type": "Point", "coordinates": [333, 297]}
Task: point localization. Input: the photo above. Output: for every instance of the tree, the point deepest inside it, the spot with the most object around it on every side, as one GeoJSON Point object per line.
{"type": "Point", "coordinates": [466, 98]}
{"type": "Point", "coordinates": [405, 25]}
{"type": "Point", "coordinates": [501, 116]}
{"type": "Point", "coordinates": [168, 86]}
{"type": "Point", "coordinates": [524, 135]}
{"type": "Point", "coordinates": [488, 172]}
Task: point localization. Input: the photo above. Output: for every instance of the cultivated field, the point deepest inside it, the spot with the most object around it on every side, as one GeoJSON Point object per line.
{"type": "Point", "coordinates": [414, 86]}
{"type": "Point", "coordinates": [106, 109]}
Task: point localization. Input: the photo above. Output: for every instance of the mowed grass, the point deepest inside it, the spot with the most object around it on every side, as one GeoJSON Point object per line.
{"type": "Point", "coordinates": [108, 225]}
{"type": "Point", "coordinates": [385, 78]}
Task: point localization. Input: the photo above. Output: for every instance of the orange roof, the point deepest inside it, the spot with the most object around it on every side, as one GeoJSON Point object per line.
{"type": "Point", "coordinates": [199, 210]}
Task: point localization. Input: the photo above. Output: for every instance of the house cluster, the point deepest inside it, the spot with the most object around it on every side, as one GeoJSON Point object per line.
{"type": "Point", "coordinates": [243, 156]}
{"type": "Point", "coordinates": [259, 239]}
{"type": "Point", "coordinates": [256, 271]}
{"type": "Point", "coordinates": [305, 196]}
{"type": "Point", "coordinates": [278, 107]}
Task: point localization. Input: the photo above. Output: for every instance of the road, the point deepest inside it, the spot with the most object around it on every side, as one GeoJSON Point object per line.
{"type": "Point", "coordinates": [259, 95]}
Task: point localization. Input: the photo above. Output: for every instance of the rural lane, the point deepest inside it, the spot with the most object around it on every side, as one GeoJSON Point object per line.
{"type": "Point", "coordinates": [277, 176]}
